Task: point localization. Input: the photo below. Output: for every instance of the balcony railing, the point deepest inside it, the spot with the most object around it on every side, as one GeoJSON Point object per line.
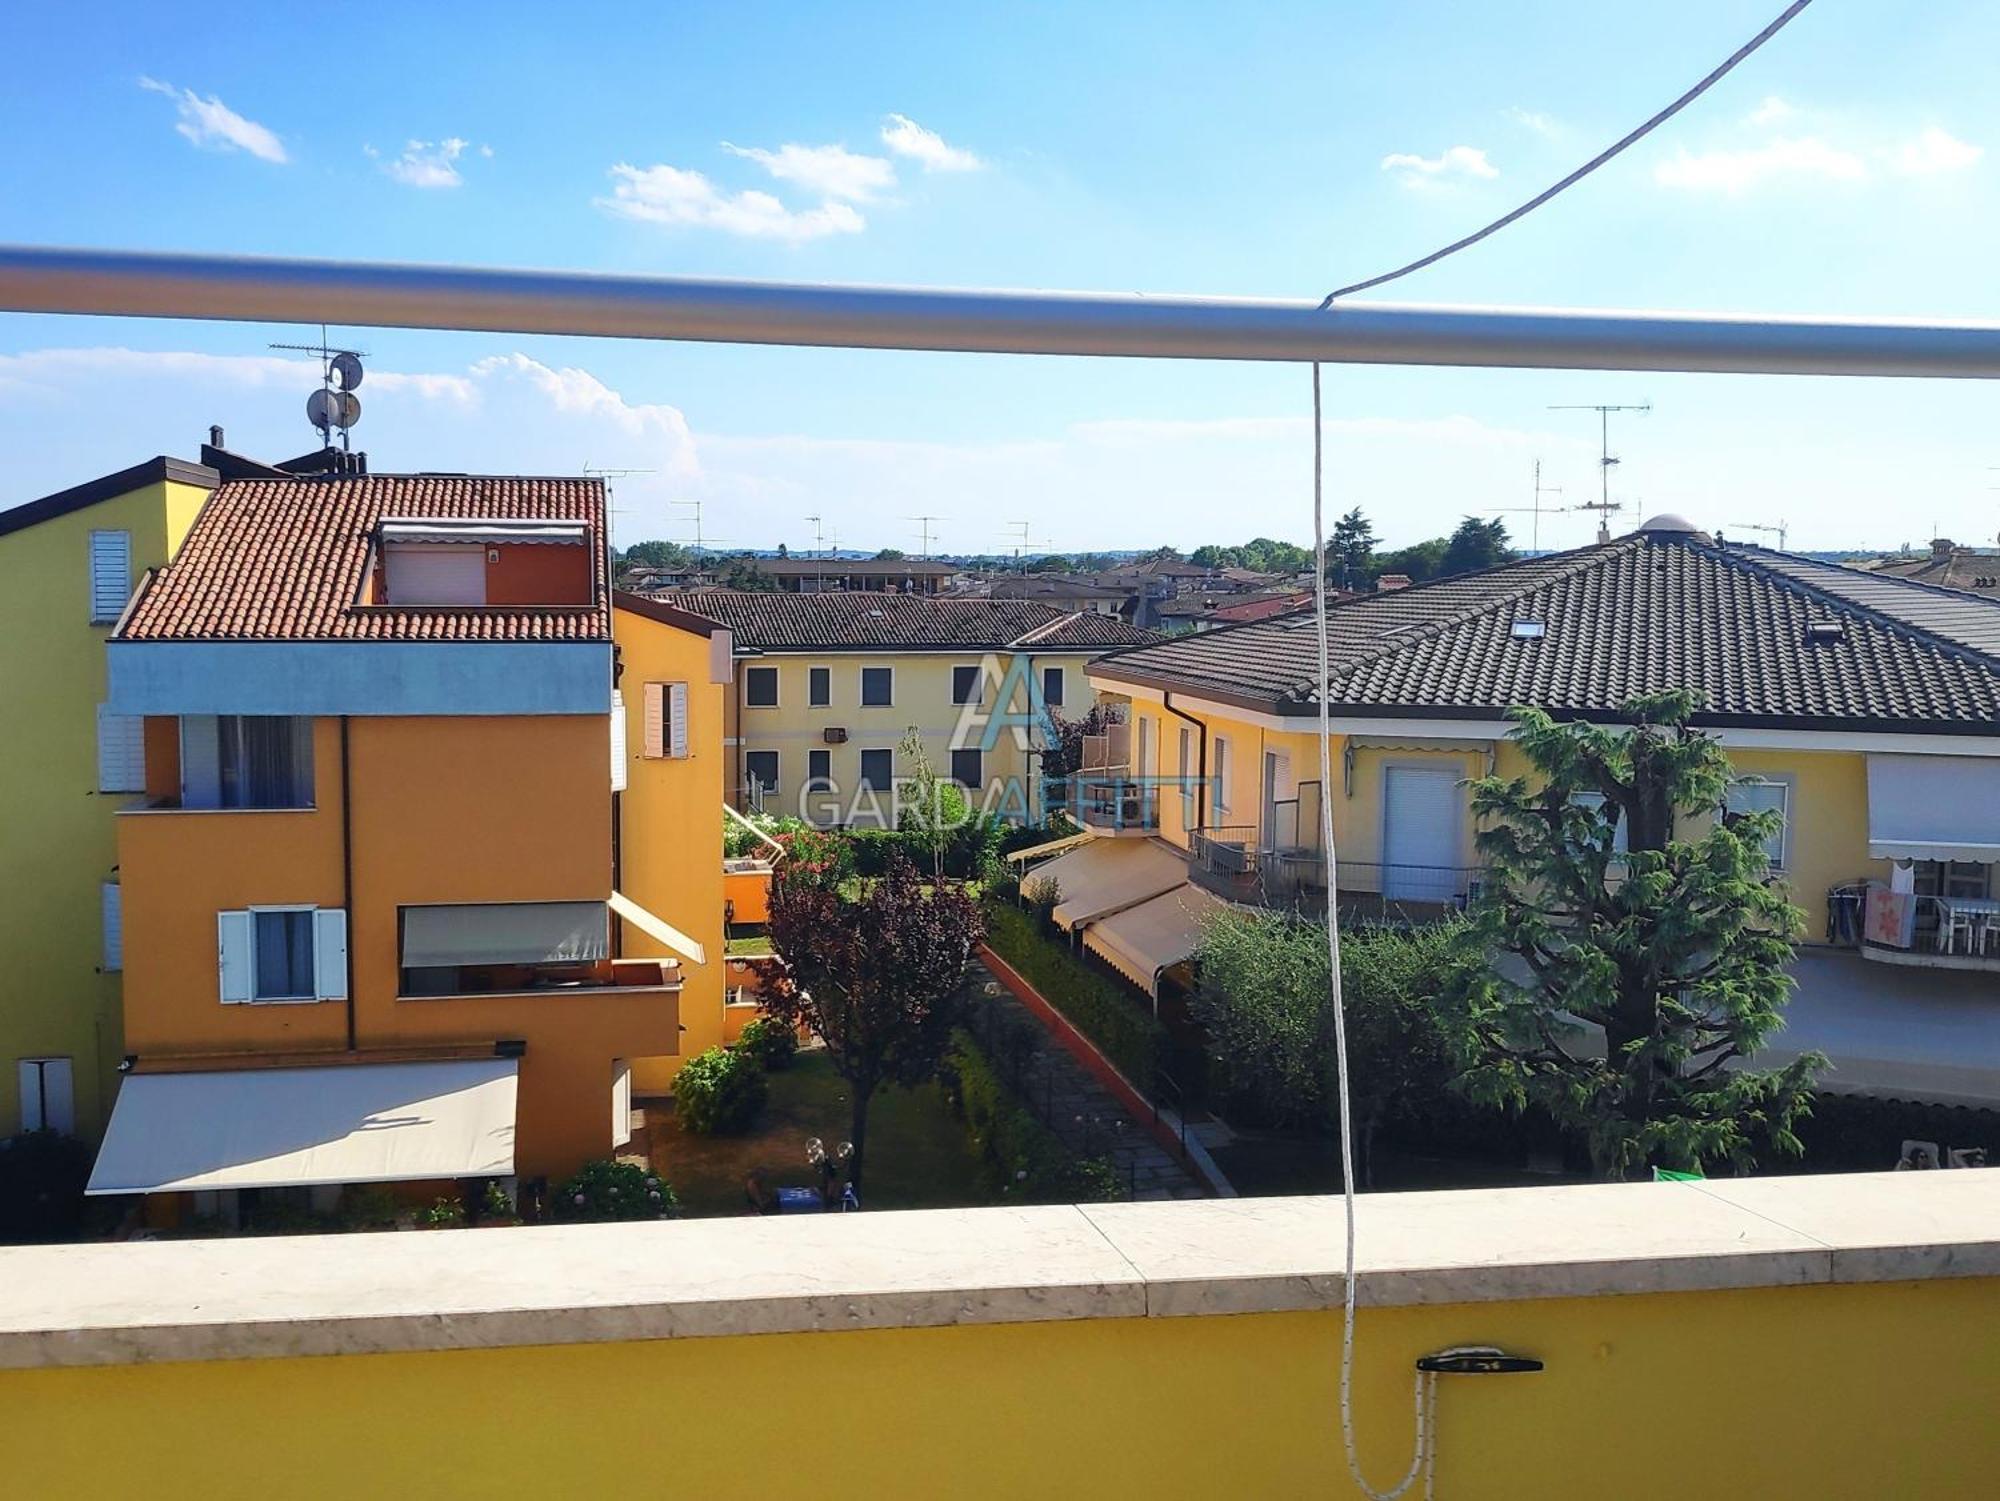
{"type": "Point", "coordinates": [1922, 929]}
{"type": "Point", "coordinates": [1116, 804]}
{"type": "Point", "coordinates": [1228, 861]}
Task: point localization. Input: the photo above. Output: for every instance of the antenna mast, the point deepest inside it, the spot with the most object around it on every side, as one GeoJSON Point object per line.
{"type": "Point", "coordinates": [819, 536]}
{"type": "Point", "coordinates": [695, 506]}
{"type": "Point", "coordinates": [334, 404]}
{"type": "Point", "coordinates": [1602, 505]}
{"type": "Point", "coordinates": [924, 525]}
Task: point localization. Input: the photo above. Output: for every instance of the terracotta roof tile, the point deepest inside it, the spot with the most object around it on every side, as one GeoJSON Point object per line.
{"type": "Point", "coordinates": [853, 620]}
{"type": "Point", "coordinates": [283, 560]}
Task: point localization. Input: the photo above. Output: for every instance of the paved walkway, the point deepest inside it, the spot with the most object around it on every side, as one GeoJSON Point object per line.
{"type": "Point", "coordinates": [1065, 1097]}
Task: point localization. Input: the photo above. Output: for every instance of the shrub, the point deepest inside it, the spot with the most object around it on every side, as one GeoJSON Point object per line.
{"type": "Point", "coordinates": [442, 1214]}
{"type": "Point", "coordinates": [1130, 1036]}
{"type": "Point", "coordinates": [769, 1041]}
{"type": "Point", "coordinates": [1025, 1161]}
{"type": "Point", "coordinates": [738, 841]}
{"type": "Point", "coordinates": [42, 1175]}
{"type": "Point", "coordinates": [720, 1092]}
{"type": "Point", "coordinates": [608, 1190]}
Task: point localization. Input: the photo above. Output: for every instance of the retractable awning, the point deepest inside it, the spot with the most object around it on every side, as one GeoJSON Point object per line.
{"type": "Point", "coordinates": [1155, 935]}
{"type": "Point", "coordinates": [1108, 874]}
{"type": "Point", "coordinates": [486, 531]}
{"type": "Point", "coordinates": [1934, 808]}
{"type": "Point", "coordinates": [279, 1127]}
{"type": "Point", "coordinates": [658, 928]}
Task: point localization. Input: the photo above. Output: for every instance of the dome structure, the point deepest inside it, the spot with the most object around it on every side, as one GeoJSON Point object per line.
{"type": "Point", "coordinates": [1668, 521]}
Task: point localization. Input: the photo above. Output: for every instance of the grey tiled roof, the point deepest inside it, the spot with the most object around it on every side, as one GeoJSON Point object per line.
{"type": "Point", "coordinates": [1640, 614]}
{"type": "Point", "coordinates": [852, 620]}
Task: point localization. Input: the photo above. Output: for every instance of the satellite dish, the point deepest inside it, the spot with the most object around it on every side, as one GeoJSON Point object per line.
{"type": "Point", "coordinates": [325, 409]}
{"type": "Point", "coordinates": [345, 371]}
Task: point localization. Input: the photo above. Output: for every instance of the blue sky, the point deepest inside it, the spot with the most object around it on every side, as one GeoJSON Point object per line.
{"type": "Point", "coordinates": [1262, 149]}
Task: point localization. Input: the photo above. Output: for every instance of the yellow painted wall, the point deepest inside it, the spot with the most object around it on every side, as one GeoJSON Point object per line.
{"type": "Point", "coordinates": [922, 698]}
{"type": "Point", "coordinates": [57, 838]}
{"type": "Point", "coordinates": [671, 848]}
{"type": "Point", "coordinates": [1825, 1392]}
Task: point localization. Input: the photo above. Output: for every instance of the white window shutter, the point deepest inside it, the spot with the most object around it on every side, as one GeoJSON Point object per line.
{"type": "Point", "coordinates": [58, 1095]}
{"type": "Point", "coordinates": [235, 952]}
{"type": "Point", "coordinates": [110, 575]}
{"type": "Point", "coordinates": [29, 1072]}
{"type": "Point", "coordinates": [677, 745]}
{"type": "Point", "coordinates": [330, 953]}
{"type": "Point", "coordinates": [121, 751]}
{"type": "Point", "coordinates": [114, 926]}
{"type": "Point", "coordinates": [621, 1102]}
{"type": "Point", "coordinates": [617, 741]}
{"type": "Point", "coordinates": [654, 743]}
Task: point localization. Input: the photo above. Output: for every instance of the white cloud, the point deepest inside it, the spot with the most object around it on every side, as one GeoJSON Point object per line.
{"type": "Point", "coordinates": [1739, 171]}
{"type": "Point", "coordinates": [678, 196]}
{"type": "Point", "coordinates": [1458, 161]}
{"type": "Point", "coordinates": [824, 171]}
{"type": "Point", "coordinates": [1771, 111]}
{"type": "Point", "coordinates": [1935, 151]}
{"type": "Point", "coordinates": [429, 164]}
{"type": "Point", "coordinates": [906, 137]}
{"type": "Point", "coordinates": [1541, 124]}
{"type": "Point", "coordinates": [209, 122]}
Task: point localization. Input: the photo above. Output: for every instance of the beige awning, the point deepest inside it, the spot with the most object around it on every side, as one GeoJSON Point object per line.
{"type": "Point", "coordinates": [279, 1127]}
{"type": "Point", "coordinates": [505, 933]}
{"type": "Point", "coordinates": [1105, 875]}
{"type": "Point", "coordinates": [1053, 847]}
{"type": "Point", "coordinates": [657, 928]}
{"type": "Point", "coordinates": [1153, 936]}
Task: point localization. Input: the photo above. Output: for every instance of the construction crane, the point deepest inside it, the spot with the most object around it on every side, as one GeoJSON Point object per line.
{"type": "Point", "coordinates": [1779, 531]}
{"type": "Point", "coordinates": [1603, 505]}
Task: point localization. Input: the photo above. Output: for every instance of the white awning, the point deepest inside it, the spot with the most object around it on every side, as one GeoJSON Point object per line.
{"type": "Point", "coordinates": [1053, 847]}
{"type": "Point", "coordinates": [1934, 808]}
{"type": "Point", "coordinates": [487, 532]}
{"type": "Point", "coordinates": [505, 933]}
{"type": "Point", "coordinates": [1155, 935]}
{"type": "Point", "coordinates": [1107, 874]}
{"type": "Point", "coordinates": [658, 928]}
{"type": "Point", "coordinates": [276, 1127]}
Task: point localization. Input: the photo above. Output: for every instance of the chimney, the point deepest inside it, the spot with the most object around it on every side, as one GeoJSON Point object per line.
{"type": "Point", "coordinates": [1390, 582]}
{"type": "Point", "coordinates": [215, 435]}
{"type": "Point", "coordinates": [1942, 548]}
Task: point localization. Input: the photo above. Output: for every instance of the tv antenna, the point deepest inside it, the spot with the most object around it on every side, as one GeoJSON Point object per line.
{"type": "Point", "coordinates": [694, 505]}
{"type": "Point", "coordinates": [334, 405]}
{"type": "Point", "coordinates": [924, 526]}
{"type": "Point", "coordinates": [1603, 504]}
{"type": "Point", "coordinates": [1779, 531]}
{"type": "Point", "coordinates": [1535, 531]}
{"type": "Point", "coordinates": [819, 535]}
{"type": "Point", "coordinates": [608, 475]}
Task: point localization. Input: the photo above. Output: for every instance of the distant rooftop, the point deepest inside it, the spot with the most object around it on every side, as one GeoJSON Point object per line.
{"type": "Point", "coordinates": [853, 620]}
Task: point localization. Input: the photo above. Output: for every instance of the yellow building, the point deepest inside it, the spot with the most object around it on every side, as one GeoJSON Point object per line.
{"type": "Point", "coordinates": [375, 881]}
{"type": "Point", "coordinates": [828, 685]}
{"type": "Point", "coordinates": [1866, 709]}
{"type": "Point", "coordinates": [68, 563]}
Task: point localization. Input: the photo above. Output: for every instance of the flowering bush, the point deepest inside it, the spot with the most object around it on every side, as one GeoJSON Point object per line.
{"type": "Point", "coordinates": [607, 1190]}
{"type": "Point", "coordinates": [720, 1092]}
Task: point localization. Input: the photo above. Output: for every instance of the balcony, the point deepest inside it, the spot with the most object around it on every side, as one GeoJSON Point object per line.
{"type": "Point", "coordinates": [1229, 861]}
{"type": "Point", "coordinates": [1110, 803]}
{"type": "Point", "coordinates": [1770, 1288]}
{"type": "Point", "coordinates": [1957, 928]}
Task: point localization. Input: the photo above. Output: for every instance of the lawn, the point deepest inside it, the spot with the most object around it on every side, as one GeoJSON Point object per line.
{"type": "Point", "coordinates": [919, 1155]}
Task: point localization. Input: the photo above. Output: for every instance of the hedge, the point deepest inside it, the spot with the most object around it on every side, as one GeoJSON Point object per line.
{"type": "Point", "coordinates": [1131, 1037]}
{"type": "Point", "coordinates": [719, 1092]}
{"type": "Point", "coordinates": [1025, 1161]}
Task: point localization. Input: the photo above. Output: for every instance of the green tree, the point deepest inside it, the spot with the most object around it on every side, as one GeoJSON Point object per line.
{"type": "Point", "coordinates": [1671, 952]}
{"type": "Point", "coordinates": [1419, 562]}
{"type": "Point", "coordinates": [876, 978]}
{"type": "Point", "coordinates": [934, 808]}
{"type": "Point", "coordinates": [1351, 549]}
{"type": "Point", "coordinates": [1264, 1003]}
{"type": "Point", "coordinates": [1476, 544]}
{"type": "Point", "coordinates": [1210, 555]}
{"type": "Point", "coordinates": [743, 573]}
{"type": "Point", "coordinates": [656, 555]}
{"type": "Point", "coordinates": [891, 555]}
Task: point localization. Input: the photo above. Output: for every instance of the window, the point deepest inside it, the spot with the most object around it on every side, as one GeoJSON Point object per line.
{"type": "Point", "coordinates": [819, 767]}
{"type": "Point", "coordinates": [279, 954]}
{"type": "Point", "coordinates": [819, 687]}
{"type": "Point", "coordinates": [760, 687]}
{"type": "Point", "coordinates": [878, 769]}
{"type": "Point", "coordinates": [121, 752]}
{"type": "Point", "coordinates": [1596, 800]}
{"type": "Point", "coordinates": [666, 720]}
{"type": "Point", "coordinates": [1221, 775]}
{"type": "Point", "coordinates": [48, 1094]}
{"type": "Point", "coordinates": [110, 575]}
{"type": "Point", "coordinates": [877, 686]}
{"type": "Point", "coordinates": [760, 769]}
{"type": "Point", "coordinates": [1052, 687]}
{"type": "Point", "coordinates": [246, 761]}
{"type": "Point", "coordinates": [966, 768]}
{"type": "Point", "coordinates": [965, 685]}
{"type": "Point", "coordinates": [1187, 774]}
{"type": "Point", "coordinates": [112, 906]}
{"type": "Point", "coordinates": [1759, 794]}
{"type": "Point", "coordinates": [489, 948]}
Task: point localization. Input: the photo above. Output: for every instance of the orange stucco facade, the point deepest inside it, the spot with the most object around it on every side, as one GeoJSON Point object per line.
{"type": "Point", "coordinates": [443, 810]}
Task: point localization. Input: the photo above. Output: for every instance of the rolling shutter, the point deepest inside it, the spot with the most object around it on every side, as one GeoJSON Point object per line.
{"type": "Point", "coordinates": [1420, 833]}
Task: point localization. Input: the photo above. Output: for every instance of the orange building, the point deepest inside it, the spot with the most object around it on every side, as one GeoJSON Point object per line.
{"type": "Point", "coordinates": [373, 922]}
